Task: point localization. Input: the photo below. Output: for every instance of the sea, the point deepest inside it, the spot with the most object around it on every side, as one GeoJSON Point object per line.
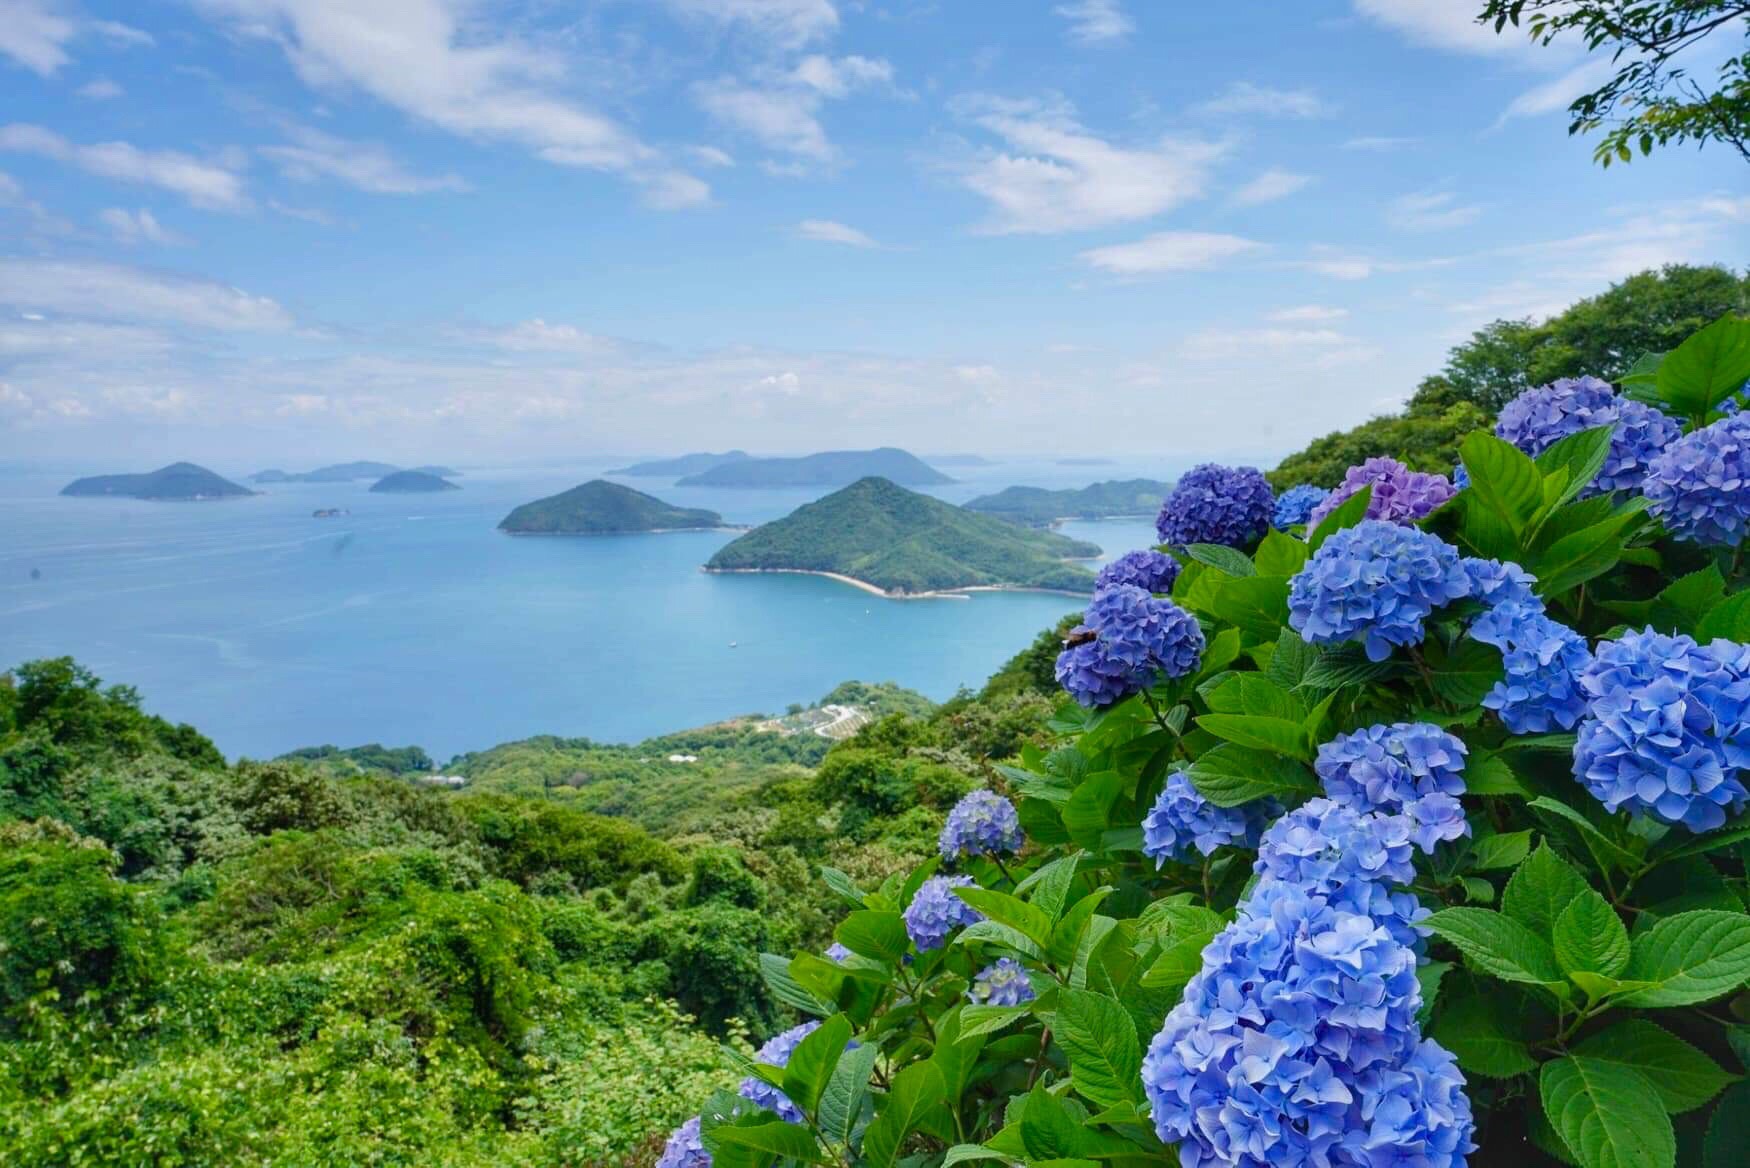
{"type": "Point", "coordinates": [412, 620]}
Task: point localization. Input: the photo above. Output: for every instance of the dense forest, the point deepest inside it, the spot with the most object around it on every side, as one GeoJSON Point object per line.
{"type": "Point", "coordinates": [317, 961]}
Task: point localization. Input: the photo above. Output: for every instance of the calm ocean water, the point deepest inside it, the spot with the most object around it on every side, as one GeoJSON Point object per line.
{"type": "Point", "coordinates": [412, 620]}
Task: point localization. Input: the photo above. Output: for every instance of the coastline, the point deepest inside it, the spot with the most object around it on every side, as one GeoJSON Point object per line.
{"type": "Point", "coordinates": [960, 593]}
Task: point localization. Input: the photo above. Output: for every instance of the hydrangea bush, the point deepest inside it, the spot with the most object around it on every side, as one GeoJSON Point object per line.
{"type": "Point", "coordinates": [1397, 835]}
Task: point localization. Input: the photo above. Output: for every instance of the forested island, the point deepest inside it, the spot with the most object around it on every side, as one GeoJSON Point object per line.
{"type": "Point", "coordinates": [686, 464]}
{"type": "Point", "coordinates": [180, 482]}
{"type": "Point", "coordinates": [412, 482]}
{"type": "Point", "coordinates": [833, 468]}
{"type": "Point", "coordinates": [599, 507]}
{"type": "Point", "coordinates": [891, 540]}
{"type": "Point", "coordinates": [346, 472]}
{"type": "Point", "coordinates": [1041, 507]}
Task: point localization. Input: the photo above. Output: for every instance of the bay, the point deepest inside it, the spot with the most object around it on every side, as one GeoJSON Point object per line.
{"type": "Point", "coordinates": [413, 620]}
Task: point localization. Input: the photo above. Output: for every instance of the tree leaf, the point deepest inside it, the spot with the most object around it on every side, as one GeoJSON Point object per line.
{"type": "Point", "coordinates": [1229, 774]}
{"type": "Point", "coordinates": [1105, 1059]}
{"type": "Point", "coordinates": [1609, 1115]}
{"type": "Point", "coordinates": [1499, 945]}
{"type": "Point", "coordinates": [1589, 937]}
{"type": "Point", "coordinates": [1690, 957]}
{"type": "Point", "coordinates": [1684, 1076]}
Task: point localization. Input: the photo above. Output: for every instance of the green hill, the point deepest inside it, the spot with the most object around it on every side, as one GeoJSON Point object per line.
{"type": "Point", "coordinates": [903, 542]}
{"type": "Point", "coordinates": [412, 482]}
{"type": "Point", "coordinates": [603, 508]}
{"type": "Point", "coordinates": [1040, 507]}
{"type": "Point", "coordinates": [686, 464]}
{"type": "Point", "coordinates": [834, 468]}
{"type": "Point", "coordinates": [180, 482]}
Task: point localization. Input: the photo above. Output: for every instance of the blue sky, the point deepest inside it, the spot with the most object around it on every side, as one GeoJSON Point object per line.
{"type": "Point", "coordinates": [474, 231]}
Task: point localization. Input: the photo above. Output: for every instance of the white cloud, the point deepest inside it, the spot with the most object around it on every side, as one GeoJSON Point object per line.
{"type": "Point", "coordinates": [138, 227]}
{"type": "Point", "coordinates": [1169, 251]}
{"type": "Point", "coordinates": [103, 291]}
{"type": "Point", "coordinates": [314, 155]}
{"type": "Point", "coordinates": [34, 33]}
{"type": "Point", "coordinates": [417, 56]}
{"type": "Point", "coordinates": [1561, 92]}
{"type": "Point", "coordinates": [203, 183]}
{"type": "Point", "coordinates": [1271, 185]}
{"type": "Point", "coordinates": [103, 89]}
{"type": "Point", "coordinates": [1379, 144]}
{"type": "Point", "coordinates": [1430, 211]}
{"type": "Point", "coordinates": [784, 24]}
{"type": "Point", "coordinates": [832, 231]}
{"type": "Point", "coordinates": [1243, 97]}
{"type": "Point", "coordinates": [1307, 314]}
{"type": "Point", "coordinates": [1057, 176]}
{"type": "Point", "coordinates": [1096, 22]}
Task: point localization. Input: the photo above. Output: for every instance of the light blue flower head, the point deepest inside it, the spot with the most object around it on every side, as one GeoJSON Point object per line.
{"type": "Point", "coordinates": [935, 912]}
{"type": "Point", "coordinates": [1229, 505]}
{"type": "Point", "coordinates": [1539, 418]}
{"type": "Point", "coordinates": [1375, 583]}
{"type": "Point", "coordinates": [983, 823]}
{"type": "Point", "coordinates": [1699, 486]}
{"type": "Point", "coordinates": [1182, 820]}
{"type": "Point", "coordinates": [1667, 728]}
{"type": "Point", "coordinates": [1407, 768]}
{"type": "Point", "coordinates": [1004, 982]}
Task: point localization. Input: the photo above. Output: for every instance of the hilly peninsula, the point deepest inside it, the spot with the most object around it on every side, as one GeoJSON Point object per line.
{"type": "Point", "coordinates": [834, 468]}
{"type": "Point", "coordinates": [896, 541]}
{"type": "Point", "coordinates": [603, 508]}
{"type": "Point", "coordinates": [686, 464]}
{"type": "Point", "coordinates": [180, 482]}
{"type": "Point", "coordinates": [1040, 507]}
{"type": "Point", "coordinates": [412, 482]}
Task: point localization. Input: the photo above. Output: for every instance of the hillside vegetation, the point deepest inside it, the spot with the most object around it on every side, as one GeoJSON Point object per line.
{"type": "Point", "coordinates": [904, 542]}
{"type": "Point", "coordinates": [599, 507]}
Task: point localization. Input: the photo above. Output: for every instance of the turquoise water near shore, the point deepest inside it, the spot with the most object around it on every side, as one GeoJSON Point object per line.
{"type": "Point", "coordinates": [412, 620]}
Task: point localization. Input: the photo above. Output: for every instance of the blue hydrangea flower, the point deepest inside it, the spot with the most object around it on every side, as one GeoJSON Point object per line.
{"type": "Point", "coordinates": [1147, 569]}
{"type": "Point", "coordinates": [1539, 418]}
{"type": "Point", "coordinates": [1004, 982]}
{"type": "Point", "coordinates": [1667, 728]}
{"type": "Point", "coordinates": [684, 1150]}
{"type": "Point", "coordinates": [1699, 487]}
{"type": "Point", "coordinates": [935, 912]}
{"type": "Point", "coordinates": [1295, 505]}
{"type": "Point", "coordinates": [1375, 583]}
{"type": "Point", "coordinates": [1217, 504]}
{"type": "Point", "coordinates": [837, 952]}
{"type": "Point", "coordinates": [1182, 819]}
{"type": "Point", "coordinates": [776, 1053]}
{"type": "Point", "coordinates": [1297, 1043]}
{"type": "Point", "coordinates": [983, 823]}
{"type": "Point", "coordinates": [1400, 495]}
{"type": "Point", "coordinates": [1407, 768]}
{"type": "Point", "coordinates": [1128, 640]}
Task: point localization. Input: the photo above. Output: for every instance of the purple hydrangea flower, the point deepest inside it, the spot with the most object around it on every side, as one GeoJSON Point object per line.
{"type": "Point", "coordinates": [1127, 641]}
{"type": "Point", "coordinates": [1147, 569]}
{"type": "Point", "coordinates": [1699, 486]}
{"type": "Point", "coordinates": [1182, 819]}
{"type": "Point", "coordinates": [1295, 505]}
{"type": "Point", "coordinates": [935, 912]}
{"type": "Point", "coordinates": [684, 1149]}
{"type": "Point", "coordinates": [1375, 583]}
{"type": "Point", "coordinates": [982, 823]}
{"type": "Point", "coordinates": [837, 952]}
{"type": "Point", "coordinates": [1539, 418]}
{"type": "Point", "coordinates": [1217, 504]}
{"type": "Point", "coordinates": [776, 1053]}
{"type": "Point", "coordinates": [1407, 768]}
{"type": "Point", "coordinates": [1004, 982]}
{"type": "Point", "coordinates": [1400, 495]}
{"type": "Point", "coordinates": [1667, 728]}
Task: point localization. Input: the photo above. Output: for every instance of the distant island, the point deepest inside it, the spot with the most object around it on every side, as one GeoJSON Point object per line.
{"type": "Point", "coordinates": [345, 472]}
{"type": "Point", "coordinates": [412, 482]}
{"type": "Point", "coordinates": [686, 464]}
{"type": "Point", "coordinates": [1039, 507]}
{"type": "Point", "coordinates": [834, 468]}
{"type": "Point", "coordinates": [603, 508]}
{"type": "Point", "coordinates": [884, 538]}
{"type": "Point", "coordinates": [180, 482]}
